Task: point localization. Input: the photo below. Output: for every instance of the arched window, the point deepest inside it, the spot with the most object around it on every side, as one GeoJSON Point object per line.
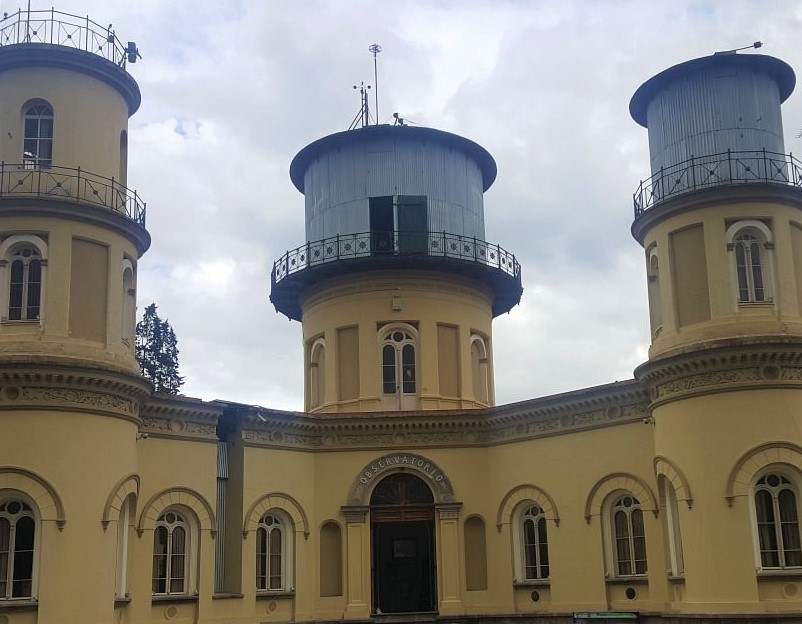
{"type": "Point", "coordinates": [17, 548]}
{"type": "Point", "coordinates": [480, 369]}
{"type": "Point", "coordinates": [399, 368]}
{"type": "Point", "coordinates": [129, 304]}
{"type": "Point", "coordinates": [123, 537]}
{"type": "Point", "coordinates": [273, 545]}
{"type": "Point", "coordinates": [25, 286]}
{"type": "Point", "coordinates": [172, 553]}
{"type": "Point", "coordinates": [653, 291]}
{"type": "Point", "coordinates": [749, 242]}
{"type": "Point", "coordinates": [37, 150]}
{"type": "Point", "coordinates": [317, 373]}
{"type": "Point", "coordinates": [628, 536]}
{"type": "Point", "coordinates": [777, 518]}
{"type": "Point", "coordinates": [671, 515]}
{"type": "Point", "coordinates": [531, 543]}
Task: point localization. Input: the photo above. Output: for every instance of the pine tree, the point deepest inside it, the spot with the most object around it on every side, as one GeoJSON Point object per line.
{"type": "Point", "coordinates": [157, 352]}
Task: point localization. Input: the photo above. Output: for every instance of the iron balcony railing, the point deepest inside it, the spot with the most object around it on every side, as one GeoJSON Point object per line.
{"type": "Point", "coordinates": [386, 245]}
{"type": "Point", "coordinates": [726, 168]}
{"type": "Point", "coordinates": [76, 185]}
{"type": "Point", "coordinates": [64, 29]}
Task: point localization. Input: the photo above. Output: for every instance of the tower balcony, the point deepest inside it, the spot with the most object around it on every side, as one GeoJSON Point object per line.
{"type": "Point", "coordinates": [345, 254]}
{"type": "Point", "coordinates": [730, 168]}
{"type": "Point", "coordinates": [64, 29]}
{"type": "Point", "coordinates": [75, 186]}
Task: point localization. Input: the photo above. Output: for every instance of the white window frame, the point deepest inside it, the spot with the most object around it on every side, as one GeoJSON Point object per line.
{"type": "Point", "coordinates": [7, 496]}
{"type": "Point", "coordinates": [31, 160]}
{"type": "Point", "coordinates": [519, 516]}
{"type": "Point", "coordinates": [128, 328]}
{"type": "Point", "coordinates": [672, 527]}
{"type": "Point", "coordinates": [653, 290]}
{"type": "Point", "coordinates": [317, 373]}
{"type": "Point", "coordinates": [286, 531]}
{"type": "Point", "coordinates": [794, 485]}
{"type": "Point", "coordinates": [190, 524]}
{"type": "Point", "coordinates": [123, 540]}
{"type": "Point", "coordinates": [611, 505]}
{"type": "Point", "coordinates": [399, 400]}
{"type": "Point", "coordinates": [762, 233]}
{"type": "Point", "coordinates": [8, 247]}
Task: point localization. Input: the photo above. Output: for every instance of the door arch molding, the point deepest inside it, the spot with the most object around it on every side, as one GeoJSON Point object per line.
{"type": "Point", "coordinates": [375, 471]}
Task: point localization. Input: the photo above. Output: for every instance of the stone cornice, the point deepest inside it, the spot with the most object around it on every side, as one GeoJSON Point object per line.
{"type": "Point", "coordinates": [602, 406]}
{"type": "Point", "coordinates": [55, 386]}
{"type": "Point", "coordinates": [168, 416]}
{"type": "Point", "coordinates": [725, 367]}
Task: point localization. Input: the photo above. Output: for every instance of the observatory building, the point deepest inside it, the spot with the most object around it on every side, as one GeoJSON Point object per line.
{"type": "Point", "coordinates": [402, 493]}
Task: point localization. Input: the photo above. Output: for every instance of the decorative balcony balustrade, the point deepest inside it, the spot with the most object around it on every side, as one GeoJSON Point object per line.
{"type": "Point", "coordinates": [63, 29]}
{"type": "Point", "coordinates": [726, 168]}
{"type": "Point", "coordinates": [71, 185]}
{"type": "Point", "coordinates": [386, 246]}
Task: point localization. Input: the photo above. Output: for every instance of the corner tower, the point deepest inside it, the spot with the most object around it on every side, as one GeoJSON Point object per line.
{"type": "Point", "coordinates": [720, 220]}
{"type": "Point", "coordinates": [396, 286]}
{"type": "Point", "coordinates": [71, 234]}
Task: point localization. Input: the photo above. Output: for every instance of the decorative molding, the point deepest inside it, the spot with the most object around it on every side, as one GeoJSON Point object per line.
{"type": "Point", "coordinates": [743, 473]}
{"type": "Point", "coordinates": [772, 362]}
{"type": "Point", "coordinates": [125, 487]}
{"type": "Point", "coordinates": [372, 473]}
{"type": "Point", "coordinates": [276, 500]}
{"type": "Point", "coordinates": [448, 511]}
{"type": "Point", "coordinates": [355, 514]}
{"type": "Point", "coordinates": [619, 481]}
{"type": "Point", "coordinates": [183, 496]}
{"type": "Point", "coordinates": [665, 467]}
{"type": "Point", "coordinates": [46, 497]}
{"type": "Point", "coordinates": [167, 416]}
{"type": "Point", "coordinates": [523, 493]}
{"type": "Point", "coordinates": [603, 406]}
{"type": "Point", "coordinates": [55, 386]}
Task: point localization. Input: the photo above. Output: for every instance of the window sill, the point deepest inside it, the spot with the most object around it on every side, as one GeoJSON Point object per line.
{"type": "Point", "coordinates": [226, 596]}
{"type": "Point", "coordinates": [634, 579]}
{"type": "Point", "coordinates": [756, 304]}
{"type": "Point", "coordinates": [276, 593]}
{"type": "Point", "coordinates": [532, 583]}
{"type": "Point", "coordinates": [19, 604]}
{"type": "Point", "coordinates": [161, 598]}
{"type": "Point", "coordinates": [779, 573]}
{"type": "Point", "coordinates": [122, 602]}
{"type": "Point", "coordinates": [8, 321]}
{"type": "Point", "coordinates": [675, 578]}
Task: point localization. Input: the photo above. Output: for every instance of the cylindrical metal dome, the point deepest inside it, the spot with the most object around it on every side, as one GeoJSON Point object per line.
{"type": "Point", "coordinates": [340, 173]}
{"type": "Point", "coordinates": [713, 104]}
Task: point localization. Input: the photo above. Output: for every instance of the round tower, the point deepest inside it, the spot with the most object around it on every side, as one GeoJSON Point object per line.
{"type": "Point", "coordinates": [720, 220]}
{"type": "Point", "coordinates": [396, 286]}
{"type": "Point", "coordinates": [71, 234]}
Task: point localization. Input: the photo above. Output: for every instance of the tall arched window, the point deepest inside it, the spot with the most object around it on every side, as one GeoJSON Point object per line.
{"type": "Point", "coordinates": [317, 373]}
{"type": "Point", "coordinates": [37, 150]}
{"type": "Point", "coordinates": [480, 369]}
{"type": "Point", "coordinates": [399, 368]}
{"type": "Point", "coordinates": [777, 517]}
{"type": "Point", "coordinates": [671, 515]}
{"type": "Point", "coordinates": [25, 287]}
{"type": "Point", "coordinates": [749, 242]}
{"type": "Point", "coordinates": [273, 545]}
{"type": "Point", "coordinates": [171, 553]}
{"type": "Point", "coordinates": [129, 303]}
{"type": "Point", "coordinates": [653, 291]}
{"type": "Point", "coordinates": [532, 546]}
{"type": "Point", "coordinates": [628, 536]}
{"type": "Point", "coordinates": [17, 544]}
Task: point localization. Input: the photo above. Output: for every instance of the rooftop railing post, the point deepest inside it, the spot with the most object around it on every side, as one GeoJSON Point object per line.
{"type": "Point", "coordinates": [662, 182]}
{"type": "Point", "coordinates": [474, 249]}
{"type": "Point", "coordinates": [52, 21]}
{"type": "Point", "coordinates": [693, 174]}
{"type": "Point", "coordinates": [765, 167]}
{"type": "Point", "coordinates": [729, 164]}
{"type": "Point", "coordinates": [2, 176]}
{"type": "Point", "coordinates": [78, 186]}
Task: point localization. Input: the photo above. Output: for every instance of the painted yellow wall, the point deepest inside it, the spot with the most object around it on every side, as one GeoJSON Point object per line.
{"type": "Point", "coordinates": [425, 300]}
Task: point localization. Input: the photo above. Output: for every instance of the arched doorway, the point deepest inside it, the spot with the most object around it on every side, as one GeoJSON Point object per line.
{"type": "Point", "coordinates": [402, 531]}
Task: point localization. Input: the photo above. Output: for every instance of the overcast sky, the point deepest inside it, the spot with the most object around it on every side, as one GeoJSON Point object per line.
{"type": "Point", "coordinates": [233, 90]}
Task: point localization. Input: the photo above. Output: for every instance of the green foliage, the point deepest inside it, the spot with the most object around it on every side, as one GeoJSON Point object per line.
{"type": "Point", "coordinates": [157, 352]}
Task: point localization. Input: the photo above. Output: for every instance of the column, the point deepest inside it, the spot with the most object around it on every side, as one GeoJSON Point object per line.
{"type": "Point", "coordinates": [357, 562]}
{"type": "Point", "coordinates": [450, 595]}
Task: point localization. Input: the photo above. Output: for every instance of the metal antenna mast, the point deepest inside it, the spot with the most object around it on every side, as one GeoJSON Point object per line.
{"type": "Point", "coordinates": [376, 48]}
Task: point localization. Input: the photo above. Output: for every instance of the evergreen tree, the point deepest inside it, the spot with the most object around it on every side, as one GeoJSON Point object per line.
{"type": "Point", "coordinates": [157, 352]}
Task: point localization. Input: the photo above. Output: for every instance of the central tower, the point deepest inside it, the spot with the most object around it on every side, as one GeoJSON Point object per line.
{"type": "Point", "coordinates": [396, 286]}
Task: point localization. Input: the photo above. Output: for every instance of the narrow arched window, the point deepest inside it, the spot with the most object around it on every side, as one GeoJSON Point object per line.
{"type": "Point", "coordinates": [672, 526]}
{"type": "Point", "coordinates": [534, 543]}
{"type": "Point", "coordinates": [129, 304]}
{"type": "Point", "coordinates": [749, 268]}
{"type": "Point", "coordinates": [399, 368]}
{"type": "Point", "coordinates": [653, 291]}
{"type": "Point", "coordinates": [777, 517]}
{"type": "Point", "coordinates": [171, 548]}
{"type": "Point", "coordinates": [25, 288]}
{"type": "Point", "coordinates": [38, 136]}
{"type": "Point", "coordinates": [270, 554]}
{"type": "Point", "coordinates": [629, 537]}
{"type": "Point", "coordinates": [480, 369]}
{"type": "Point", "coordinates": [317, 373]}
{"type": "Point", "coordinates": [17, 539]}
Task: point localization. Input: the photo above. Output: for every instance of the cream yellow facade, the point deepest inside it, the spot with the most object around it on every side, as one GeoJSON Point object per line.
{"type": "Point", "coordinates": [403, 493]}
